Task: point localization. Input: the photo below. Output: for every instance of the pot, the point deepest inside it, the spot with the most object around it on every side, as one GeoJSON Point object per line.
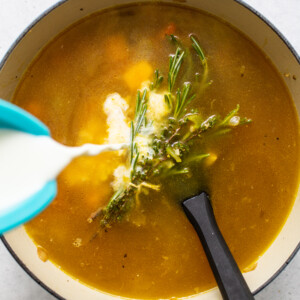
{"type": "Point", "coordinates": [65, 13]}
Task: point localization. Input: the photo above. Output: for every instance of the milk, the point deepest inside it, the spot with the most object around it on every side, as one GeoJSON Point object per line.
{"type": "Point", "coordinates": [28, 162]}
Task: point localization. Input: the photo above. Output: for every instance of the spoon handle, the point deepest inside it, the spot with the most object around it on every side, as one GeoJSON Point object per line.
{"type": "Point", "coordinates": [227, 274]}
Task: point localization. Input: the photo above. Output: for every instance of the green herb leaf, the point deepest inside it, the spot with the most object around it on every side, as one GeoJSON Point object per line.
{"type": "Point", "coordinates": [157, 80]}
{"type": "Point", "coordinates": [198, 49]}
{"type": "Point", "coordinates": [140, 112]}
{"type": "Point", "coordinates": [172, 153]}
{"type": "Point", "coordinates": [229, 116]}
{"type": "Point", "coordinates": [175, 62]}
{"type": "Point", "coordinates": [183, 98]}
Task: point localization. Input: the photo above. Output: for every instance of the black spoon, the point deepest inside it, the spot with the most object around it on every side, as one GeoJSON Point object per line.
{"type": "Point", "coordinates": [230, 280]}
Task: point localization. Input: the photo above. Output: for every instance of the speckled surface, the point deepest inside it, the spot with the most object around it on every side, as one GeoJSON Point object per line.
{"type": "Point", "coordinates": [15, 15]}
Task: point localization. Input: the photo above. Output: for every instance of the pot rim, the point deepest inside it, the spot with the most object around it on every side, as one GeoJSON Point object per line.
{"type": "Point", "coordinates": [44, 14]}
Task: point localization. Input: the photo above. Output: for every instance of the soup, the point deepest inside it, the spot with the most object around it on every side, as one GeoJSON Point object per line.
{"type": "Point", "coordinates": [93, 70]}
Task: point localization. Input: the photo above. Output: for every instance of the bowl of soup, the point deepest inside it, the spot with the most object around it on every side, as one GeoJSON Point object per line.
{"type": "Point", "coordinates": [208, 95]}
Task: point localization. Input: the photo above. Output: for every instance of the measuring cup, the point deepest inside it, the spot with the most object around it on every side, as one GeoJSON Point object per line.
{"type": "Point", "coordinates": [13, 117]}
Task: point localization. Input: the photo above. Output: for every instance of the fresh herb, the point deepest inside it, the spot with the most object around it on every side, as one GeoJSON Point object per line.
{"type": "Point", "coordinates": [140, 111]}
{"type": "Point", "coordinates": [198, 50]}
{"type": "Point", "coordinates": [175, 62]}
{"type": "Point", "coordinates": [187, 53]}
{"type": "Point", "coordinates": [157, 80]}
{"type": "Point", "coordinates": [174, 40]}
{"type": "Point", "coordinates": [183, 98]}
{"type": "Point", "coordinates": [170, 146]}
{"type": "Point", "coordinates": [168, 100]}
{"type": "Point", "coordinates": [204, 76]}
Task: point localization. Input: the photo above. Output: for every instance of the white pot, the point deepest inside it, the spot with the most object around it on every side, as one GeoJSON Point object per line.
{"type": "Point", "coordinates": [60, 16]}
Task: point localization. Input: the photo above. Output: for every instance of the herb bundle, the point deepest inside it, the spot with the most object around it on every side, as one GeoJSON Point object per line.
{"type": "Point", "coordinates": [170, 146]}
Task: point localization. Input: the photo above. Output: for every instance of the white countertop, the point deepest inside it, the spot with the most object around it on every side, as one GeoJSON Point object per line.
{"type": "Point", "coordinates": [15, 15]}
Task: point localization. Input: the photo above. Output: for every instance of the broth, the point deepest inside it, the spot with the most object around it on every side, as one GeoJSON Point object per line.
{"type": "Point", "coordinates": [252, 183]}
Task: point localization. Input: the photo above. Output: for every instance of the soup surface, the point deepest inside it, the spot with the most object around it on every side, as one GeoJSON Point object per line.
{"type": "Point", "coordinates": [252, 181]}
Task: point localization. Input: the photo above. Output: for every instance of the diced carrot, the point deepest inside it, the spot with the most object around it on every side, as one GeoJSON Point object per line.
{"type": "Point", "coordinates": [137, 74]}
{"type": "Point", "coordinates": [170, 29]}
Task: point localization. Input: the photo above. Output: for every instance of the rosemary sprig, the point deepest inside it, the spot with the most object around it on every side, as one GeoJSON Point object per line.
{"type": "Point", "coordinates": [175, 62]}
{"type": "Point", "coordinates": [139, 120]}
{"type": "Point", "coordinates": [131, 141]}
{"type": "Point", "coordinates": [140, 111]}
{"type": "Point", "coordinates": [169, 101]}
{"type": "Point", "coordinates": [187, 53]}
{"type": "Point", "coordinates": [183, 98]}
{"type": "Point", "coordinates": [204, 81]}
{"type": "Point", "coordinates": [157, 80]}
{"type": "Point", "coordinates": [134, 161]}
{"type": "Point", "coordinates": [198, 50]}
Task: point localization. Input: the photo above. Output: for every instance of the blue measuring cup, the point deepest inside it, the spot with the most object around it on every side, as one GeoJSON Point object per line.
{"type": "Point", "coordinates": [13, 117]}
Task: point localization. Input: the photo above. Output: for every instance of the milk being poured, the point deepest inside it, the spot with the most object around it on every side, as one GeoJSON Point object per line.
{"type": "Point", "coordinates": [28, 162]}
